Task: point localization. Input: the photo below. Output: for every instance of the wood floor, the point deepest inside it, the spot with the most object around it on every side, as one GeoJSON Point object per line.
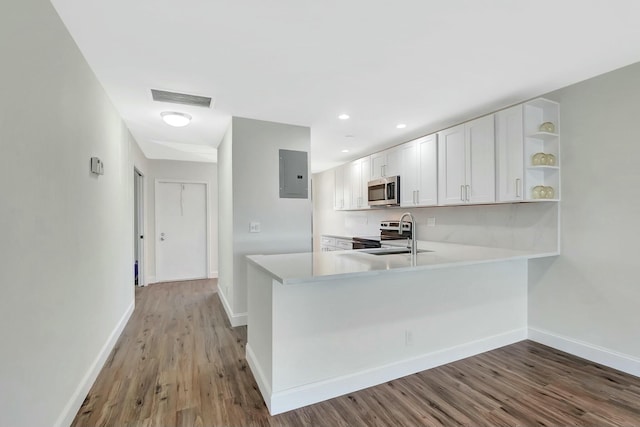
{"type": "Point", "coordinates": [179, 363]}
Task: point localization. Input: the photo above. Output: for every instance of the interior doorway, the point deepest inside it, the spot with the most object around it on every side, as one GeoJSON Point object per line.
{"type": "Point", "coordinates": [181, 230]}
{"type": "Point", "coordinates": [138, 227]}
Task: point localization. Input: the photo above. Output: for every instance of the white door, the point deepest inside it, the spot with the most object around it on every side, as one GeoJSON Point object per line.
{"type": "Point", "coordinates": [451, 165]}
{"type": "Point", "coordinates": [338, 192]}
{"type": "Point", "coordinates": [409, 177]}
{"type": "Point", "coordinates": [181, 231]}
{"type": "Point", "coordinates": [481, 160]}
{"type": "Point", "coordinates": [427, 179]}
{"type": "Point", "coordinates": [509, 154]}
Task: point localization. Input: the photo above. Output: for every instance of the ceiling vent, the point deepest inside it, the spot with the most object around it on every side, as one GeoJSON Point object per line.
{"type": "Point", "coordinates": [181, 98]}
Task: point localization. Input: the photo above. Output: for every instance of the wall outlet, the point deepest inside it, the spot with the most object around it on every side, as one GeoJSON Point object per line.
{"type": "Point", "coordinates": [408, 338]}
{"type": "Point", "coordinates": [254, 227]}
{"type": "Point", "coordinates": [431, 221]}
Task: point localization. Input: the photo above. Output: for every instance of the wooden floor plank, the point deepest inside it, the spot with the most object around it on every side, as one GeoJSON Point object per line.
{"type": "Point", "coordinates": [180, 363]}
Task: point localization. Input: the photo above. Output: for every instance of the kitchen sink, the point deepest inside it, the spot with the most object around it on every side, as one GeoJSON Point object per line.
{"type": "Point", "coordinates": [391, 251]}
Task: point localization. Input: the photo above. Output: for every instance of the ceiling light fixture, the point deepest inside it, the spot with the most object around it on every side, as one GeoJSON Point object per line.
{"type": "Point", "coordinates": [343, 116]}
{"type": "Point", "coordinates": [345, 151]}
{"type": "Point", "coordinates": [175, 119]}
{"type": "Point", "coordinates": [401, 126]}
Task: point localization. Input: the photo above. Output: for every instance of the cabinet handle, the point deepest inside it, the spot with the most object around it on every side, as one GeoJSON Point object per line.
{"type": "Point", "coordinates": [462, 193]}
{"type": "Point", "coordinates": [383, 170]}
{"type": "Point", "coordinates": [518, 180]}
{"type": "Point", "coordinates": [467, 191]}
{"type": "Point", "coordinates": [416, 197]}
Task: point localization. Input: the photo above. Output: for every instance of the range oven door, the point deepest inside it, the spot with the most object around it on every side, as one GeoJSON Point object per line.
{"type": "Point", "coordinates": [360, 243]}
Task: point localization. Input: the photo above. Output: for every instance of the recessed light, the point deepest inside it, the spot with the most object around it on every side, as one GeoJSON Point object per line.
{"type": "Point", "coordinates": [401, 125]}
{"type": "Point", "coordinates": [345, 151]}
{"type": "Point", "coordinates": [343, 116]}
{"type": "Point", "coordinates": [175, 119]}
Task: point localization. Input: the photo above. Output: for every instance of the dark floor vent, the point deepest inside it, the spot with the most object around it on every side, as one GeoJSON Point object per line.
{"type": "Point", "coordinates": [180, 98]}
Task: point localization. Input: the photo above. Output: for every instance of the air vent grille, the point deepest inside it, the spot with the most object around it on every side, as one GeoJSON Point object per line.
{"type": "Point", "coordinates": [181, 98]}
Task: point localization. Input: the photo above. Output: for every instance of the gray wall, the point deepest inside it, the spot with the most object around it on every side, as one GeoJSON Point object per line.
{"type": "Point", "coordinates": [180, 171]}
{"type": "Point", "coordinates": [591, 293]}
{"type": "Point", "coordinates": [285, 223]}
{"type": "Point", "coordinates": [67, 235]}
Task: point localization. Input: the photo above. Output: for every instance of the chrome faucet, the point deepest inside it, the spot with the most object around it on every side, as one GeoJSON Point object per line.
{"type": "Point", "coordinates": [414, 248]}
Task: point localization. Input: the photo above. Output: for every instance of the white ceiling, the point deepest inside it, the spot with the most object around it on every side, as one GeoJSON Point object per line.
{"type": "Point", "coordinates": [425, 63]}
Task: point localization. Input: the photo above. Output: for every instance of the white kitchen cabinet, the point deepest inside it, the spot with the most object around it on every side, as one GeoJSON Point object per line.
{"type": "Point", "coordinates": [466, 163]}
{"type": "Point", "coordinates": [419, 176]}
{"type": "Point", "coordinates": [510, 154]}
{"type": "Point", "coordinates": [536, 140]}
{"type": "Point", "coordinates": [359, 170]}
{"type": "Point", "coordinates": [340, 201]}
{"type": "Point", "coordinates": [386, 163]}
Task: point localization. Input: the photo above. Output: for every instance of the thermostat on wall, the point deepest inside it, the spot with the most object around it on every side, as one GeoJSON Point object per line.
{"type": "Point", "coordinates": [97, 166]}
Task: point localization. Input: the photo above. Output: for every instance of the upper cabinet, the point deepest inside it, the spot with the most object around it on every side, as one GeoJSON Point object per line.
{"type": "Point", "coordinates": [510, 155]}
{"type": "Point", "coordinates": [419, 176]}
{"type": "Point", "coordinates": [541, 150]}
{"type": "Point", "coordinates": [350, 185]}
{"type": "Point", "coordinates": [466, 163]}
{"type": "Point", "coordinates": [386, 163]}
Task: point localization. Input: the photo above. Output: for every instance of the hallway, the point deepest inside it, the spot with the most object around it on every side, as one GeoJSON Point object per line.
{"type": "Point", "coordinates": [179, 363]}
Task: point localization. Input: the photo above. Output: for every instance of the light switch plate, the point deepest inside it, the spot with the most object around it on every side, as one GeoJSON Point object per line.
{"type": "Point", "coordinates": [431, 221]}
{"type": "Point", "coordinates": [254, 227]}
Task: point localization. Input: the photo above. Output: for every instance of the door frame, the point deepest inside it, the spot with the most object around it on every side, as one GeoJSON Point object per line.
{"type": "Point", "coordinates": [139, 212]}
{"type": "Point", "coordinates": [207, 227]}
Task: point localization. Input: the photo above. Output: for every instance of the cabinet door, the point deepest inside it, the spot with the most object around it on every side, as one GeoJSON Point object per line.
{"type": "Point", "coordinates": [365, 177]}
{"type": "Point", "coordinates": [427, 170]}
{"type": "Point", "coordinates": [338, 189]}
{"type": "Point", "coordinates": [378, 161]}
{"type": "Point", "coordinates": [481, 169]}
{"type": "Point", "coordinates": [393, 162]}
{"type": "Point", "coordinates": [356, 184]}
{"type": "Point", "coordinates": [509, 154]}
{"type": "Point", "coordinates": [347, 189]}
{"type": "Point", "coordinates": [409, 175]}
{"type": "Point", "coordinates": [451, 165]}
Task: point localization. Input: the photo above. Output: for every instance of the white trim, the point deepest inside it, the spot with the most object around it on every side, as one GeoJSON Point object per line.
{"type": "Point", "coordinates": [308, 394]}
{"type": "Point", "coordinates": [206, 223]}
{"type": "Point", "coordinates": [604, 356]}
{"type": "Point", "coordinates": [151, 279]}
{"type": "Point", "coordinates": [213, 274]}
{"type": "Point", "coordinates": [75, 402]}
{"type": "Point", "coordinates": [258, 375]}
{"type": "Point", "coordinates": [239, 319]}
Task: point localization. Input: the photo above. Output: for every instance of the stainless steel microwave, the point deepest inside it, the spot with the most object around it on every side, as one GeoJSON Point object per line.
{"type": "Point", "coordinates": [384, 191]}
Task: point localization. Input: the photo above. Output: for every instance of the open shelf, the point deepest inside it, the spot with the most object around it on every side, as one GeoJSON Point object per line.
{"type": "Point", "coordinates": [546, 136]}
{"type": "Point", "coordinates": [543, 167]}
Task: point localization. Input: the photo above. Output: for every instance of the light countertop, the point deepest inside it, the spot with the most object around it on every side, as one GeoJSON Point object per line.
{"type": "Point", "coordinates": [315, 266]}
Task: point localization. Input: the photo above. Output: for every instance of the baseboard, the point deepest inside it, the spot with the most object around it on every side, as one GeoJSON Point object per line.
{"type": "Point", "coordinates": [213, 274]}
{"type": "Point", "coordinates": [236, 319]}
{"type": "Point", "coordinates": [258, 375]}
{"type": "Point", "coordinates": [151, 279]}
{"type": "Point", "coordinates": [308, 394]}
{"type": "Point", "coordinates": [593, 353]}
{"type": "Point", "coordinates": [75, 402]}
